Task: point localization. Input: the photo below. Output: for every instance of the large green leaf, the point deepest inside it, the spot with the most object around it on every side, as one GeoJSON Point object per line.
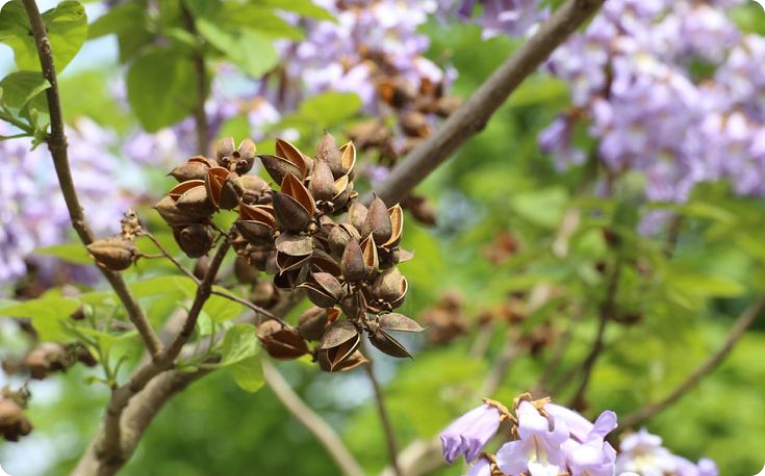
{"type": "Point", "coordinates": [248, 374]}
{"type": "Point", "coordinates": [160, 88]}
{"type": "Point", "coordinates": [221, 309]}
{"type": "Point", "coordinates": [163, 285]}
{"type": "Point", "coordinates": [67, 27]}
{"type": "Point", "coordinates": [119, 19]}
{"type": "Point", "coordinates": [251, 51]}
{"type": "Point", "coordinates": [71, 253]}
{"type": "Point", "coordinates": [240, 343]}
{"type": "Point", "coordinates": [47, 314]}
{"type": "Point", "coordinates": [21, 87]}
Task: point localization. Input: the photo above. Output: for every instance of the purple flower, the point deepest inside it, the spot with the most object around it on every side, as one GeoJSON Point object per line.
{"type": "Point", "coordinates": [498, 17]}
{"type": "Point", "coordinates": [469, 434]}
{"type": "Point", "coordinates": [538, 450]}
{"type": "Point", "coordinates": [482, 467]}
{"type": "Point", "coordinates": [644, 454]}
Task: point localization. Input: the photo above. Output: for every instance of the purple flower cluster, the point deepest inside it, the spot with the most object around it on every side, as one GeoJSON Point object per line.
{"type": "Point", "coordinates": [497, 17]}
{"type": "Point", "coordinates": [32, 209]}
{"type": "Point", "coordinates": [549, 439]}
{"type": "Point", "coordinates": [636, 83]}
{"type": "Point", "coordinates": [368, 39]}
{"type": "Point", "coordinates": [642, 453]}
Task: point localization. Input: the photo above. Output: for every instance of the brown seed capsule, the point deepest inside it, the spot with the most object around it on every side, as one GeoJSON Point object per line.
{"type": "Point", "coordinates": [281, 340]}
{"type": "Point", "coordinates": [415, 124]}
{"type": "Point", "coordinates": [279, 167]}
{"type": "Point", "coordinates": [224, 149]}
{"type": "Point", "coordinates": [340, 236]}
{"type": "Point", "coordinates": [244, 157]}
{"type": "Point", "coordinates": [293, 244]}
{"type": "Point", "coordinates": [322, 182]}
{"type": "Point", "coordinates": [371, 259]}
{"type": "Point", "coordinates": [13, 423]}
{"type": "Point", "coordinates": [387, 344]}
{"type": "Point", "coordinates": [340, 341]}
{"type": "Point", "coordinates": [169, 212]}
{"type": "Point", "coordinates": [295, 189]}
{"type": "Point", "coordinates": [329, 153]}
{"type": "Point", "coordinates": [398, 322]}
{"type": "Point", "coordinates": [354, 305]}
{"type": "Point", "coordinates": [447, 105]}
{"type": "Point", "coordinates": [357, 215]}
{"type": "Point", "coordinates": [290, 214]}
{"type": "Point", "coordinates": [115, 253]}
{"type": "Point", "coordinates": [377, 222]}
{"type": "Point", "coordinates": [397, 226]}
{"type": "Point", "coordinates": [286, 150]}
{"type": "Point", "coordinates": [421, 209]}
{"type": "Point", "coordinates": [192, 170]}
{"type": "Point", "coordinates": [312, 323]}
{"type": "Point", "coordinates": [195, 240]}
{"type": "Point", "coordinates": [244, 272]}
{"type": "Point", "coordinates": [352, 262]}
{"type": "Point", "coordinates": [389, 286]}
{"type": "Point", "coordinates": [324, 290]}
{"type": "Point", "coordinates": [348, 159]}
{"type": "Point", "coordinates": [45, 358]}
{"type": "Point", "coordinates": [195, 203]}
{"type": "Point", "coordinates": [214, 181]}
{"type": "Point", "coordinates": [349, 363]}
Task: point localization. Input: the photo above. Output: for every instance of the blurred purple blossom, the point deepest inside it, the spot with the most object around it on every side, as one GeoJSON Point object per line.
{"type": "Point", "coordinates": [497, 17]}
{"type": "Point", "coordinates": [644, 454]}
{"type": "Point", "coordinates": [468, 434]}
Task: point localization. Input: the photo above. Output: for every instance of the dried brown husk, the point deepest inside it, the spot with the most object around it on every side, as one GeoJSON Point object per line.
{"type": "Point", "coordinates": [377, 222]}
{"type": "Point", "coordinates": [349, 363]}
{"type": "Point", "coordinates": [279, 167]}
{"type": "Point", "coordinates": [394, 321]}
{"type": "Point", "coordinates": [115, 254]}
{"type": "Point", "coordinates": [294, 244]}
{"type": "Point", "coordinates": [324, 290]}
{"type": "Point", "coordinates": [281, 340]}
{"type": "Point", "coordinates": [214, 183]}
{"type": "Point", "coordinates": [295, 188]}
{"type": "Point", "coordinates": [348, 159]}
{"type": "Point", "coordinates": [369, 253]}
{"type": "Point", "coordinates": [339, 237]}
{"type": "Point", "coordinates": [388, 345]}
{"type": "Point", "coordinates": [352, 262]}
{"type": "Point", "coordinates": [328, 152]}
{"type": "Point", "coordinates": [322, 182]}
{"type": "Point", "coordinates": [288, 151]}
{"type": "Point", "coordinates": [195, 240]}
{"type": "Point", "coordinates": [195, 202]}
{"type": "Point", "coordinates": [290, 214]}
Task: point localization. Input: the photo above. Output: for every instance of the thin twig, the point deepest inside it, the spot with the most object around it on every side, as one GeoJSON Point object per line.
{"type": "Point", "coordinates": [323, 433]}
{"type": "Point", "coordinates": [475, 112]}
{"type": "Point", "coordinates": [607, 310]}
{"type": "Point", "coordinates": [200, 74]}
{"type": "Point", "coordinates": [57, 145]}
{"type": "Point", "coordinates": [217, 292]}
{"type": "Point", "coordinates": [390, 435]}
{"type": "Point", "coordinates": [743, 322]}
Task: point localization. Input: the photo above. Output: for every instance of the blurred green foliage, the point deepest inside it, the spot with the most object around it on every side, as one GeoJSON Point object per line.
{"type": "Point", "coordinates": [498, 182]}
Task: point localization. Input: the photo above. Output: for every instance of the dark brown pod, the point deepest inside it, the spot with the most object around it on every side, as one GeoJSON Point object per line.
{"type": "Point", "coordinates": [329, 153]}
{"type": "Point", "coordinates": [324, 290]}
{"type": "Point", "coordinates": [286, 150]}
{"type": "Point", "coordinates": [312, 322]}
{"type": "Point", "coordinates": [281, 340]}
{"type": "Point", "coordinates": [354, 305]}
{"type": "Point", "coordinates": [214, 184]}
{"type": "Point", "coordinates": [340, 341]}
{"type": "Point", "coordinates": [285, 262]}
{"type": "Point", "coordinates": [191, 170]}
{"type": "Point", "coordinates": [254, 231]}
{"type": "Point", "coordinates": [13, 423]}
{"type": "Point", "coordinates": [369, 254]}
{"type": "Point", "coordinates": [389, 286]}
{"type": "Point", "coordinates": [169, 212]}
{"type": "Point", "coordinates": [115, 254]}
{"type": "Point", "coordinates": [195, 202]}
{"type": "Point", "coordinates": [322, 182]}
{"type": "Point", "coordinates": [357, 215]}
{"type": "Point", "coordinates": [294, 244]}
{"type": "Point", "coordinates": [415, 124]}
{"type": "Point", "coordinates": [278, 167]}
{"type": "Point", "coordinates": [290, 214]}
{"type": "Point", "coordinates": [377, 222]}
{"type": "Point", "coordinates": [340, 236]}
{"type": "Point", "coordinates": [388, 345]}
{"type": "Point", "coordinates": [295, 189]}
{"type": "Point", "coordinates": [244, 272]}
{"type": "Point", "coordinates": [45, 358]}
{"type": "Point", "coordinates": [350, 362]}
{"type": "Point", "coordinates": [195, 240]}
{"type": "Point", "coordinates": [352, 262]}
{"type": "Point", "coordinates": [224, 149]}
{"type": "Point", "coordinates": [243, 158]}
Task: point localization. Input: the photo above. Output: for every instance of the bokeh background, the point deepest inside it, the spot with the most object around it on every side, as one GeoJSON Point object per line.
{"type": "Point", "coordinates": [669, 155]}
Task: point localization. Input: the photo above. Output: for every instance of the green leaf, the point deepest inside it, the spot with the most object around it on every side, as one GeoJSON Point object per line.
{"type": "Point", "coordinates": [258, 18]}
{"type": "Point", "coordinates": [221, 309]}
{"type": "Point", "coordinates": [160, 88]}
{"type": "Point", "coordinates": [240, 343]}
{"type": "Point", "coordinates": [47, 314]}
{"type": "Point", "coordinates": [67, 27]}
{"type": "Point", "coordinates": [331, 107]}
{"type": "Point", "coordinates": [542, 207]}
{"type": "Point", "coordinates": [163, 285]}
{"type": "Point", "coordinates": [248, 374]}
{"type": "Point", "coordinates": [70, 253]}
{"type": "Point", "coordinates": [252, 52]}
{"type": "Point", "coordinates": [119, 19]}
{"type": "Point", "coordinates": [20, 87]}
{"type": "Point", "coordinates": [305, 8]}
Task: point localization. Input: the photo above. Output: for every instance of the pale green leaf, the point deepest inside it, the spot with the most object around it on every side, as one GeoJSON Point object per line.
{"type": "Point", "coordinates": [248, 374]}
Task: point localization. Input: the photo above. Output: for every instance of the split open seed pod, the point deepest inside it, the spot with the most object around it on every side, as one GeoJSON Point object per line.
{"type": "Point", "coordinates": [194, 169]}
{"type": "Point", "coordinates": [281, 340]}
{"type": "Point", "coordinates": [377, 222]}
{"type": "Point", "coordinates": [348, 159]}
{"type": "Point", "coordinates": [195, 240]}
{"type": "Point", "coordinates": [256, 223]}
{"type": "Point", "coordinates": [340, 341]}
{"type": "Point", "coordinates": [294, 244]}
{"type": "Point", "coordinates": [349, 363]}
{"type": "Point", "coordinates": [324, 290]}
{"type": "Point", "coordinates": [387, 344]}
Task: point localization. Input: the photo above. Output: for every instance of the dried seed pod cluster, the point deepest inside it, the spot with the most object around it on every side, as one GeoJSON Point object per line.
{"type": "Point", "coordinates": [13, 422]}
{"type": "Point", "coordinates": [309, 233]}
{"type": "Point", "coordinates": [118, 253]}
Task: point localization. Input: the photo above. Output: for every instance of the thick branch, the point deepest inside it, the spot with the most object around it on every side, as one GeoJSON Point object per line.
{"type": "Point", "coordinates": [323, 433]}
{"type": "Point", "coordinates": [743, 322]}
{"type": "Point", "coordinates": [57, 144]}
{"type": "Point", "coordinates": [137, 416]}
{"type": "Point", "coordinates": [473, 115]}
{"type": "Point", "coordinates": [201, 83]}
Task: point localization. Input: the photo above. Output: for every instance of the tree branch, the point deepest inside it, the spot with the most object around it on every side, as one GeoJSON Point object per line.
{"type": "Point", "coordinates": [473, 115]}
{"type": "Point", "coordinates": [743, 322]}
{"type": "Point", "coordinates": [201, 83]}
{"type": "Point", "coordinates": [390, 435]}
{"type": "Point", "coordinates": [323, 433]}
{"type": "Point", "coordinates": [57, 145]}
